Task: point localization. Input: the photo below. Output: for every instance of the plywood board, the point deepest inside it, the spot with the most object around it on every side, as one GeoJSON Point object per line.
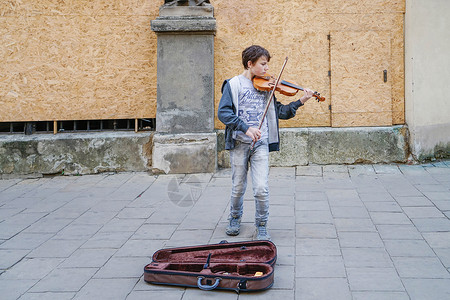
{"type": "Point", "coordinates": [77, 60]}
{"type": "Point", "coordinates": [299, 28]}
{"type": "Point", "coordinates": [80, 59]}
{"type": "Point", "coordinates": [359, 95]}
{"type": "Point", "coordinates": [284, 31]}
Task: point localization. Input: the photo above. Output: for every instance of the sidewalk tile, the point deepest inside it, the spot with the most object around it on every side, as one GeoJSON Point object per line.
{"type": "Point", "coordinates": [444, 255]}
{"type": "Point", "coordinates": [32, 268]}
{"type": "Point", "coordinates": [316, 231]}
{"type": "Point", "coordinates": [9, 257]}
{"type": "Point", "coordinates": [88, 258]}
{"type": "Point", "coordinates": [313, 217]}
{"type": "Point", "coordinates": [26, 241]}
{"type": "Point", "coordinates": [349, 239]}
{"type": "Point", "coordinates": [380, 296]}
{"type": "Point", "coordinates": [140, 248]}
{"type": "Point", "coordinates": [376, 197]}
{"type": "Point", "coordinates": [354, 224]}
{"type": "Point", "coordinates": [312, 205]}
{"type": "Point", "coordinates": [198, 294]}
{"type": "Point", "coordinates": [264, 295]}
{"type": "Point", "coordinates": [64, 280]}
{"type": "Point", "coordinates": [413, 201]}
{"type": "Point", "coordinates": [48, 296]}
{"type": "Point", "coordinates": [400, 232]}
{"type": "Point", "coordinates": [432, 224]}
{"type": "Point", "coordinates": [107, 240]}
{"type": "Point", "coordinates": [389, 218]}
{"type": "Point", "coordinates": [374, 279]}
{"type": "Point", "coordinates": [282, 237]}
{"type": "Point", "coordinates": [14, 288]}
{"type": "Point", "coordinates": [350, 212]}
{"type": "Point", "coordinates": [168, 294]}
{"type": "Point", "coordinates": [318, 246]}
{"type": "Point", "coordinates": [189, 237]}
{"type": "Point", "coordinates": [285, 255]}
{"type": "Point", "coordinates": [383, 206]}
{"type": "Point", "coordinates": [409, 248]}
{"type": "Point", "coordinates": [422, 212]}
{"type": "Point", "coordinates": [56, 248]}
{"type": "Point", "coordinates": [315, 171]}
{"type": "Point", "coordinates": [123, 267]}
{"type": "Point", "coordinates": [430, 289]}
{"type": "Point", "coordinates": [310, 195]}
{"type": "Point", "coordinates": [366, 257]}
{"type": "Point", "coordinates": [322, 288]}
{"type": "Point", "coordinates": [284, 278]}
{"type": "Point", "coordinates": [320, 267]}
{"type": "Point", "coordinates": [117, 288]}
{"type": "Point", "coordinates": [154, 232]}
{"type": "Point", "coordinates": [420, 267]}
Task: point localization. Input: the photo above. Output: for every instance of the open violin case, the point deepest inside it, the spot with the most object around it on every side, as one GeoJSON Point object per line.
{"type": "Point", "coordinates": [238, 266]}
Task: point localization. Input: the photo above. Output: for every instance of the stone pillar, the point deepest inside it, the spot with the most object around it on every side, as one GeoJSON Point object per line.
{"type": "Point", "coordinates": [185, 141]}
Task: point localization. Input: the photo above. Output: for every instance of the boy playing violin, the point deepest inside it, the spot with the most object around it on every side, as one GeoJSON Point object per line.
{"type": "Point", "coordinates": [241, 109]}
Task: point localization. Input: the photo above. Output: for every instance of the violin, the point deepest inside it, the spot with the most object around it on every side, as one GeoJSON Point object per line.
{"type": "Point", "coordinates": [267, 82]}
{"type": "Point", "coordinates": [272, 84]}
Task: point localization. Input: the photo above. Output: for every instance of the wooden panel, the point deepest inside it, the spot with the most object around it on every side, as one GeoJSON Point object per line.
{"type": "Point", "coordinates": [359, 95]}
{"type": "Point", "coordinates": [77, 60]}
{"type": "Point", "coordinates": [299, 29]}
{"type": "Point", "coordinates": [398, 72]}
{"type": "Point", "coordinates": [84, 59]}
{"type": "Point", "coordinates": [285, 30]}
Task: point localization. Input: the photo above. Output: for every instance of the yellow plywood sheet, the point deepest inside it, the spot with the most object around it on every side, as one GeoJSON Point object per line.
{"type": "Point", "coordinates": [77, 60]}
{"type": "Point", "coordinates": [79, 7]}
{"type": "Point", "coordinates": [398, 72]}
{"type": "Point", "coordinates": [359, 94]}
{"type": "Point", "coordinates": [352, 119]}
{"type": "Point", "coordinates": [281, 30]}
{"type": "Point", "coordinates": [299, 29]}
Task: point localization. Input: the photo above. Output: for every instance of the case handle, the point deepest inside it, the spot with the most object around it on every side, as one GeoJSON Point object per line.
{"type": "Point", "coordinates": [207, 287]}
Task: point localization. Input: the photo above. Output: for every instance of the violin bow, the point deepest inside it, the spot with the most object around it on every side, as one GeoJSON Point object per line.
{"type": "Point", "coordinates": [272, 92]}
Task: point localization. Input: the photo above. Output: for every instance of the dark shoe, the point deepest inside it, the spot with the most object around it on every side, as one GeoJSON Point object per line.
{"type": "Point", "coordinates": [234, 227]}
{"type": "Point", "coordinates": [261, 232]}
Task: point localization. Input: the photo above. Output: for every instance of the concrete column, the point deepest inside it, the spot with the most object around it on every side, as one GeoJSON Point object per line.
{"type": "Point", "coordinates": [427, 73]}
{"type": "Point", "coordinates": [185, 141]}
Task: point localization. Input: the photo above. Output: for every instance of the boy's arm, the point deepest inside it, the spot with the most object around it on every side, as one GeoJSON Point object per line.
{"type": "Point", "coordinates": [288, 111]}
{"type": "Point", "coordinates": [226, 113]}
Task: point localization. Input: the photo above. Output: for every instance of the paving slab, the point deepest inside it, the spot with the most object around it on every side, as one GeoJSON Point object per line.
{"type": "Point", "coordinates": [342, 232]}
{"type": "Point", "coordinates": [323, 288]}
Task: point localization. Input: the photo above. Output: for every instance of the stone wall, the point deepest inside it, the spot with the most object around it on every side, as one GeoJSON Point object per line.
{"type": "Point", "coordinates": [72, 154]}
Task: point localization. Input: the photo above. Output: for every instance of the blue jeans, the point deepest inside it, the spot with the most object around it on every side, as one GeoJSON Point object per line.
{"type": "Point", "coordinates": [258, 159]}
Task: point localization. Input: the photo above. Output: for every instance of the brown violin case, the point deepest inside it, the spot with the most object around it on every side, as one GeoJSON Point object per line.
{"type": "Point", "coordinates": [239, 266]}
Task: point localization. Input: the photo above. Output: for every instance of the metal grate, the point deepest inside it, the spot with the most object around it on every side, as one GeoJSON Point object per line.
{"type": "Point", "coordinates": [77, 126]}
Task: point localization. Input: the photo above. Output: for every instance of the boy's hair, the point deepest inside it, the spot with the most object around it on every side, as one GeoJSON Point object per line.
{"type": "Point", "coordinates": [253, 53]}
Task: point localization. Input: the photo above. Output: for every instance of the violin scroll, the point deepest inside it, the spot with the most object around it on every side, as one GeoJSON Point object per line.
{"type": "Point", "coordinates": [318, 97]}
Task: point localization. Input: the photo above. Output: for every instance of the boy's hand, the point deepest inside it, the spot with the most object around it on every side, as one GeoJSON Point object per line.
{"type": "Point", "coordinates": [254, 133]}
{"type": "Point", "coordinates": [308, 94]}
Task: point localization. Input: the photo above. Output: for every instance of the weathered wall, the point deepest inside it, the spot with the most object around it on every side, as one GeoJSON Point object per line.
{"type": "Point", "coordinates": [72, 60]}
{"type": "Point", "coordinates": [69, 60]}
{"type": "Point", "coordinates": [306, 146]}
{"type": "Point", "coordinates": [427, 45]}
{"type": "Point", "coordinates": [71, 153]}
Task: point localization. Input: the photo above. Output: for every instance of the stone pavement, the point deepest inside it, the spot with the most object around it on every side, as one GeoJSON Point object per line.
{"type": "Point", "coordinates": [342, 232]}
